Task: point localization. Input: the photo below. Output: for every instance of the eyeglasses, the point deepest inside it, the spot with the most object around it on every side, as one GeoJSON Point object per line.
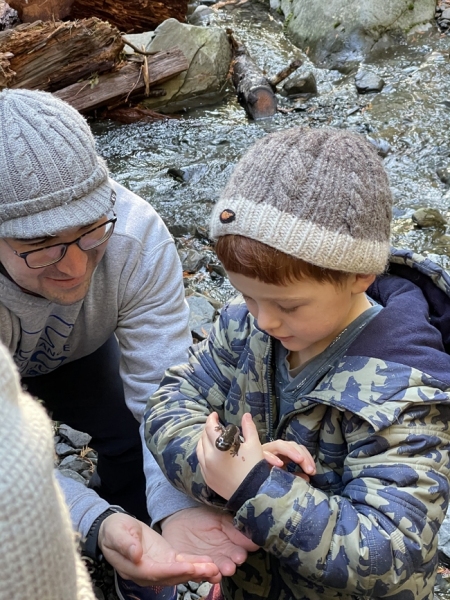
{"type": "Point", "coordinates": [43, 257]}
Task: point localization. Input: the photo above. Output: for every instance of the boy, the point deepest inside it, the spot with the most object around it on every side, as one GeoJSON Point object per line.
{"type": "Point", "coordinates": [323, 350]}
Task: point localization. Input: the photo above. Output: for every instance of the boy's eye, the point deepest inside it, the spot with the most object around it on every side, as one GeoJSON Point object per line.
{"type": "Point", "coordinates": [291, 309]}
{"type": "Point", "coordinates": [246, 298]}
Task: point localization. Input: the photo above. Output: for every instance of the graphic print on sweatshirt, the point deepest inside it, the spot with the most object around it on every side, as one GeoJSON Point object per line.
{"type": "Point", "coordinates": [44, 350]}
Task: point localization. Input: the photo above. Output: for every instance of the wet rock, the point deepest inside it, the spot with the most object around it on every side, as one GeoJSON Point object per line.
{"type": "Point", "coordinates": [301, 84]}
{"type": "Point", "coordinates": [444, 536]}
{"type": "Point", "coordinates": [428, 217]}
{"type": "Point", "coordinates": [189, 173]}
{"type": "Point", "coordinates": [201, 233]}
{"type": "Point", "coordinates": [203, 589]}
{"type": "Point", "coordinates": [209, 55]}
{"type": "Point", "coordinates": [73, 475]}
{"type": "Point", "coordinates": [74, 463]}
{"type": "Point", "coordinates": [342, 30]}
{"type": "Point", "coordinates": [139, 40]}
{"type": "Point", "coordinates": [217, 268]}
{"type": "Point", "coordinates": [383, 147]}
{"type": "Point", "coordinates": [62, 449]}
{"type": "Point", "coordinates": [201, 316]}
{"type": "Point", "coordinates": [201, 16]}
{"type": "Point", "coordinates": [442, 243]}
{"type": "Point", "coordinates": [444, 174]}
{"type": "Point", "coordinates": [179, 230]}
{"type": "Point", "coordinates": [77, 439]}
{"type": "Point", "coordinates": [367, 82]}
{"type": "Point", "coordinates": [191, 260]}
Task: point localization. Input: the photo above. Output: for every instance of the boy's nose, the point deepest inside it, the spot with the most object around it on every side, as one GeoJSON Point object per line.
{"type": "Point", "coordinates": [74, 262]}
{"type": "Point", "coordinates": [267, 320]}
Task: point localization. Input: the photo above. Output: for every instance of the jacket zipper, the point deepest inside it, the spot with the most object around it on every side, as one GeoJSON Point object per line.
{"type": "Point", "coordinates": [270, 432]}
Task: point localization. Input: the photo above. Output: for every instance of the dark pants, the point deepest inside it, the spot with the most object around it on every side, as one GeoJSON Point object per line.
{"type": "Point", "coordinates": [87, 394]}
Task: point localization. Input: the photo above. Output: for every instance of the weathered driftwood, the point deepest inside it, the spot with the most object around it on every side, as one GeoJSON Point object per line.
{"type": "Point", "coordinates": [254, 90]}
{"type": "Point", "coordinates": [284, 73]}
{"type": "Point", "coordinates": [49, 56]}
{"type": "Point", "coordinates": [131, 15]}
{"type": "Point", "coordinates": [133, 114]}
{"type": "Point", "coordinates": [124, 82]}
{"type": "Point", "coordinates": [41, 10]}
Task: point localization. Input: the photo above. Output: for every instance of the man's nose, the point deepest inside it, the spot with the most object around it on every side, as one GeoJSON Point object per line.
{"type": "Point", "coordinates": [74, 262]}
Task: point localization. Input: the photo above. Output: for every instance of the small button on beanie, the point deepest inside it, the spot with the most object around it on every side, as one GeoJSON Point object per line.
{"type": "Point", "coordinates": [51, 177]}
{"type": "Point", "coordinates": [321, 195]}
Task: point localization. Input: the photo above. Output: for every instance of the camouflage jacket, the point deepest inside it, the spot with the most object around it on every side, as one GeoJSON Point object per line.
{"type": "Point", "coordinates": [366, 524]}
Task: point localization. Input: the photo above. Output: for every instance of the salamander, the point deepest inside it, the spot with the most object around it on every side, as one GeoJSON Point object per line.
{"type": "Point", "coordinates": [230, 438]}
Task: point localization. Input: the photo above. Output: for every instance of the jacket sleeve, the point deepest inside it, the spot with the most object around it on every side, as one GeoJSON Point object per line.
{"type": "Point", "coordinates": [177, 412]}
{"type": "Point", "coordinates": [381, 528]}
{"type": "Point", "coordinates": [153, 333]}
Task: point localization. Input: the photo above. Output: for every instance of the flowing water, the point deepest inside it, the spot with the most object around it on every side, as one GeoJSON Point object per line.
{"type": "Point", "coordinates": [410, 118]}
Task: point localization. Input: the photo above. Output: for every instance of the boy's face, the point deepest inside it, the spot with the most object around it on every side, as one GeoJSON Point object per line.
{"type": "Point", "coordinates": [306, 315]}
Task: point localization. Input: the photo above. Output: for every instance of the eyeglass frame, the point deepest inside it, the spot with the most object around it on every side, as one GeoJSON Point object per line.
{"type": "Point", "coordinates": [24, 255]}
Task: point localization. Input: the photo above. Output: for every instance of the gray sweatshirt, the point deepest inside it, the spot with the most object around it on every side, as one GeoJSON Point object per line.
{"type": "Point", "coordinates": [137, 293]}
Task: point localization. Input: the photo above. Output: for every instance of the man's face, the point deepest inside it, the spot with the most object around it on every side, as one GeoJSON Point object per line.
{"type": "Point", "coordinates": [64, 282]}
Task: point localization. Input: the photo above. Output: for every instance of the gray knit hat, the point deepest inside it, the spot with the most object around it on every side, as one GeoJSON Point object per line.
{"type": "Point", "coordinates": [51, 178]}
{"type": "Point", "coordinates": [321, 195]}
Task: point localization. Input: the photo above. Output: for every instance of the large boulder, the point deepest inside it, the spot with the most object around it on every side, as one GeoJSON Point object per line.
{"type": "Point", "coordinates": [337, 32]}
{"type": "Point", "coordinates": [208, 52]}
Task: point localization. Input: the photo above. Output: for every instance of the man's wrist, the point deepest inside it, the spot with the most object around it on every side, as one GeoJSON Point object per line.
{"type": "Point", "coordinates": [89, 546]}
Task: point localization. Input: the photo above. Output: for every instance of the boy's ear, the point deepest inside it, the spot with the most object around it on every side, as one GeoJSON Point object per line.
{"type": "Point", "coordinates": [362, 282]}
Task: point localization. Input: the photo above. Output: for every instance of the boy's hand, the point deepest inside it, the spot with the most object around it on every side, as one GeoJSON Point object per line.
{"type": "Point", "coordinates": [280, 452]}
{"type": "Point", "coordinates": [221, 471]}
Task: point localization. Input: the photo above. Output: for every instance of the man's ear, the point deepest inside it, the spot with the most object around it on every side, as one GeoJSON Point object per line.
{"type": "Point", "coordinates": [362, 282]}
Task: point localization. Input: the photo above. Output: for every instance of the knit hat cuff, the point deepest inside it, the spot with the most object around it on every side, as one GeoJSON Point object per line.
{"type": "Point", "coordinates": [76, 213]}
{"type": "Point", "coordinates": [303, 239]}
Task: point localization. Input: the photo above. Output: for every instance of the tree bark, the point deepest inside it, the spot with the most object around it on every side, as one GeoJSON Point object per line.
{"type": "Point", "coordinates": [41, 10]}
{"type": "Point", "coordinates": [131, 15]}
{"type": "Point", "coordinates": [254, 91]}
{"type": "Point", "coordinates": [49, 56]}
{"type": "Point", "coordinates": [127, 81]}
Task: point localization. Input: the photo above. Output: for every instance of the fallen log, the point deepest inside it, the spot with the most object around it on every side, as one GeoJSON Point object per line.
{"type": "Point", "coordinates": [133, 114]}
{"type": "Point", "coordinates": [254, 90]}
{"type": "Point", "coordinates": [41, 10]}
{"type": "Point", "coordinates": [127, 80]}
{"type": "Point", "coordinates": [52, 55]}
{"type": "Point", "coordinates": [133, 15]}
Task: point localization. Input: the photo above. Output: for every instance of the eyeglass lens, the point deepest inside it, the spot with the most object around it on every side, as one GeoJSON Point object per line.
{"type": "Point", "coordinates": [52, 254]}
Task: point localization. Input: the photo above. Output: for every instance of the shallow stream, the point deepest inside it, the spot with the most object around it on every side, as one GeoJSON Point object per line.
{"type": "Point", "coordinates": [410, 118]}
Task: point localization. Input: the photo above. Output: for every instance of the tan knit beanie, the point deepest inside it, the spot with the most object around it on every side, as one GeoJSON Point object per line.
{"type": "Point", "coordinates": [321, 195]}
{"type": "Point", "coordinates": [38, 556]}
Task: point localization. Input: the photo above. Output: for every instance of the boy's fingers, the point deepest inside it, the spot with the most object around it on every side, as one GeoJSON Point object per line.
{"type": "Point", "coordinates": [210, 427]}
{"type": "Point", "coordinates": [249, 430]}
{"type": "Point", "coordinates": [273, 459]}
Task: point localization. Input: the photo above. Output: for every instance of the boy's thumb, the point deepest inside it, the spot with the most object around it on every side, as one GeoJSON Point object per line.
{"type": "Point", "coordinates": [249, 430]}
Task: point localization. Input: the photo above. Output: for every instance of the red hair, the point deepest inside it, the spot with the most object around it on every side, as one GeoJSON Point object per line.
{"type": "Point", "coordinates": [251, 258]}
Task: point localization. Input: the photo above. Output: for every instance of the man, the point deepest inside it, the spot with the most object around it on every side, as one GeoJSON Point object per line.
{"type": "Point", "coordinates": [92, 309]}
